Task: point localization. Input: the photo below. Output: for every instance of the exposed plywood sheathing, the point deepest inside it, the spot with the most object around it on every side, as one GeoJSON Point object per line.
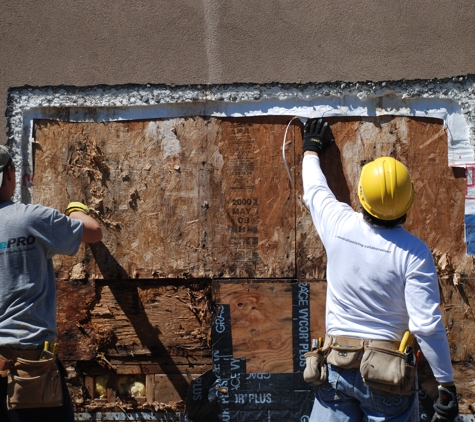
{"type": "Point", "coordinates": [261, 321]}
{"type": "Point", "coordinates": [179, 197]}
{"type": "Point", "coordinates": [184, 201]}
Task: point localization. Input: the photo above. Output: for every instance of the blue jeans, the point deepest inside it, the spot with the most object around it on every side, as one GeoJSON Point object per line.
{"type": "Point", "coordinates": [346, 398]}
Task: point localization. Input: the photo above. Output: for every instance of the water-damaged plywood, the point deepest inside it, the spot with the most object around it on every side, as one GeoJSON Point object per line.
{"type": "Point", "coordinates": [191, 197]}
{"type": "Point", "coordinates": [133, 319]}
{"type": "Point", "coordinates": [209, 198]}
{"type": "Point", "coordinates": [75, 299]}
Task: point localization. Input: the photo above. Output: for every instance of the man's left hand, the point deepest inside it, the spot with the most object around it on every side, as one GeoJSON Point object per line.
{"type": "Point", "coordinates": [446, 407]}
{"type": "Point", "coordinates": [314, 136]}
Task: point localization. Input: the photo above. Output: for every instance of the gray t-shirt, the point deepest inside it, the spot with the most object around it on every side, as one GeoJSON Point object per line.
{"type": "Point", "coordinates": [30, 235]}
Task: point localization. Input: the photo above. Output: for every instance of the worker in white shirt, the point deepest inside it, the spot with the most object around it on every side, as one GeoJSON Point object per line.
{"type": "Point", "coordinates": [381, 282]}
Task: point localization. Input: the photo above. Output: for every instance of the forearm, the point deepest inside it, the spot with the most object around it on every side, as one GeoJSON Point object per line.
{"type": "Point", "coordinates": [312, 176]}
{"type": "Point", "coordinates": [425, 318]}
{"type": "Point", "coordinates": [437, 353]}
{"type": "Point", "coordinates": [92, 232]}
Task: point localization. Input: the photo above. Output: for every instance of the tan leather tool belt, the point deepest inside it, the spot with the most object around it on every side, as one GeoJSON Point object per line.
{"type": "Point", "coordinates": [8, 355]}
{"type": "Point", "coordinates": [381, 364]}
{"type": "Point", "coordinates": [33, 378]}
{"type": "Point", "coordinates": [360, 342]}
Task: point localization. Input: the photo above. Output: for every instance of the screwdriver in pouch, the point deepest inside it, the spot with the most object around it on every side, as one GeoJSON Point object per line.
{"type": "Point", "coordinates": [406, 339]}
{"type": "Point", "coordinates": [46, 354]}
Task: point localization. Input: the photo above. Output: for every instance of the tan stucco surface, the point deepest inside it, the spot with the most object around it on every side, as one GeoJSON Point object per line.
{"type": "Point", "coordinates": [87, 42]}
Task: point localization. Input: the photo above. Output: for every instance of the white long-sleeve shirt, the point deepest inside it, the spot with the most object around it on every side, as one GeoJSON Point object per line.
{"type": "Point", "coordinates": [380, 281]}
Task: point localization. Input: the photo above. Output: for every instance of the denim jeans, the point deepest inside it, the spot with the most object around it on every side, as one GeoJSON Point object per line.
{"type": "Point", "coordinates": [346, 398]}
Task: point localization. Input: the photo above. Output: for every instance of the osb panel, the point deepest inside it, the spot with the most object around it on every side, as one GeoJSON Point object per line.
{"type": "Point", "coordinates": [437, 214]}
{"type": "Point", "coordinates": [261, 321]}
{"type": "Point", "coordinates": [421, 144]}
{"type": "Point", "coordinates": [185, 197]}
{"type": "Point", "coordinates": [252, 233]}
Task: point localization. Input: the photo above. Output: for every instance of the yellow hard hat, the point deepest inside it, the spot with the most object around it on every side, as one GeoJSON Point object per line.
{"type": "Point", "coordinates": [385, 188]}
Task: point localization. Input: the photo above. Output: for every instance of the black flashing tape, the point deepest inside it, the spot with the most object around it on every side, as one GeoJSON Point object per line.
{"type": "Point", "coordinates": [221, 333]}
{"type": "Point", "coordinates": [222, 348]}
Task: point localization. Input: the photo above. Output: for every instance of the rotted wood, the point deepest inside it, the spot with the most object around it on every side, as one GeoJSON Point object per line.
{"type": "Point", "coordinates": [179, 198]}
{"type": "Point", "coordinates": [74, 300]}
{"type": "Point", "coordinates": [141, 365]}
{"type": "Point", "coordinates": [142, 319]}
{"type": "Point", "coordinates": [171, 388]}
{"type": "Point", "coordinates": [464, 374]}
{"type": "Point", "coordinates": [170, 322]}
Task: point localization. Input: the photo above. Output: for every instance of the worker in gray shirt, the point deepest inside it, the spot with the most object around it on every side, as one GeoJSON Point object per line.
{"type": "Point", "coordinates": [32, 382]}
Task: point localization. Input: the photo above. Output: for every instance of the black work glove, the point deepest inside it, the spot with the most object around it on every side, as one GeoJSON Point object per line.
{"type": "Point", "coordinates": [446, 407]}
{"type": "Point", "coordinates": [313, 136]}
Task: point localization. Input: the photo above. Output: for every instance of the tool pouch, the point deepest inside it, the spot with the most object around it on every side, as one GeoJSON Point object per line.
{"type": "Point", "coordinates": [387, 370]}
{"type": "Point", "coordinates": [346, 356]}
{"type": "Point", "coordinates": [34, 383]}
{"type": "Point", "coordinates": [5, 365]}
{"type": "Point", "coordinates": [316, 367]}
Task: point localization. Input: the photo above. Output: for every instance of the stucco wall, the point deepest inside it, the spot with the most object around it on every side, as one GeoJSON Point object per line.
{"type": "Point", "coordinates": [85, 42]}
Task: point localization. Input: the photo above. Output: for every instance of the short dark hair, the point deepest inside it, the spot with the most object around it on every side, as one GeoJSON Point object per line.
{"type": "Point", "coordinates": [383, 223]}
